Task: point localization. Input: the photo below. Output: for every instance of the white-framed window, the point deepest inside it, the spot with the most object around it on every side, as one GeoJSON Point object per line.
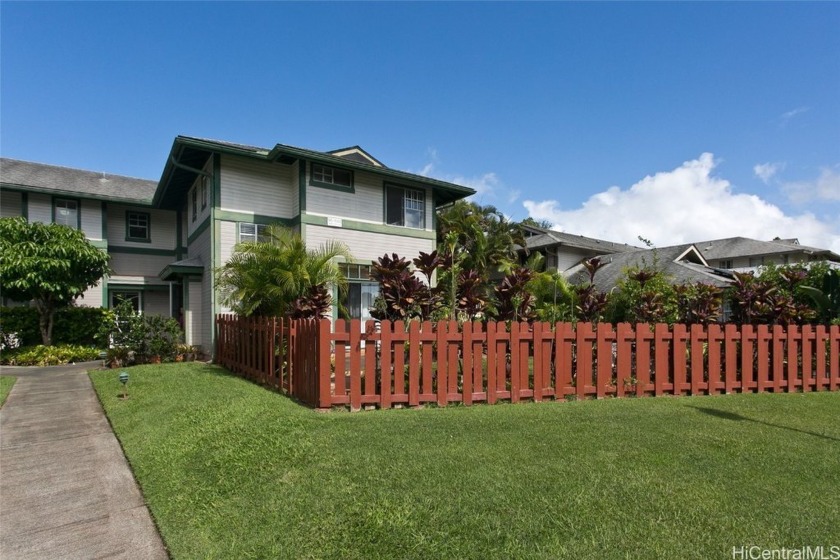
{"type": "Point", "coordinates": [331, 176]}
{"type": "Point", "coordinates": [66, 212]}
{"type": "Point", "coordinates": [252, 232]}
{"type": "Point", "coordinates": [405, 207]}
{"type": "Point", "coordinates": [138, 226]}
{"type": "Point", "coordinates": [194, 194]}
{"type": "Point", "coordinates": [358, 297]}
{"type": "Point", "coordinates": [135, 297]}
{"type": "Point", "coordinates": [726, 264]}
{"type": "Point", "coordinates": [203, 192]}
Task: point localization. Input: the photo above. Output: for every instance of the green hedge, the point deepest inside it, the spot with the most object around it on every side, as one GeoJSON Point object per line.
{"type": "Point", "coordinates": [83, 326]}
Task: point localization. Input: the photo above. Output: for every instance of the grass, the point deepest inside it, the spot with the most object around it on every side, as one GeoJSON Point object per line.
{"type": "Point", "coordinates": [6, 382]}
{"type": "Point", "coordinates": [231, 470]}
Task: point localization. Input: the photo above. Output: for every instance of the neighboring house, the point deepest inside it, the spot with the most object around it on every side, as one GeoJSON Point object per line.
{"type": "Point", "coordinates": [742, 253]}
{"type": "Point", "coordinates": [167, 237]}
{"type": "Point", "coordinates": [563, 251]}
{"type": "Point", "coordinates": [683, 264]}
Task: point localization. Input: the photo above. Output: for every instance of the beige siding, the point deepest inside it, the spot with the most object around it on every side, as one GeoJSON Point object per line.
{"type": "Point", "coordinates": [40, 208]}
{"type": "Point", "coordinates": [92, 219]}
{"type": "Point", "coordinates": [148, 266]}
{"type": "Point", "coordinates": [295, 181]}
{"type": "Point", "coordinates": [366, 204]}
{"type": "Point", "coordinates": [162, 227]}
{"type": "Point", "coordinates": [92, 297]}
{"type": "Point", "coordinates": [201, 213]}
{"type": "Point", "coordinates": [228, 240]}
{"type": "Point", "coordinates": [258, 187]}
{"type": "Point", "coordinates": [193, 315]}
{"type": "Point", "coordinates": [201, 290]}
{"type": "Point", "coordinates": [365, 246]}
{"type": "Point", "coordinates": [10, 204]}
{"type": "Point", "coordinates": [156, 303]}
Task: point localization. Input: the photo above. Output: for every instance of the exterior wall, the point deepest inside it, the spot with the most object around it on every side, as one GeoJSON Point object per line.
{"type": "Point", "coordinates": [366, 204]}
{"type": "Point", "coordinates": [40, 208]}
{"type": "Point", "coordinates": [162, 228]}
{"type": "Point", "coordinates": [156, 302]}
{"type": "Point", "coordinates": [200, 293]}
{"type": "Point", "coordinates": [202, 214]}
{"type": "Point", "coordinates": [256, 187]}
{"type": "Point", "coordinates": [10, 204]}
{"type": "Point", "coordinates": [228, 240]}
{"type": "Point", "coordinates": [91, 218]}
{"type": "Point", "coordinates": [193, 316]}
{"type": "Point", "coordinates": [142, 266]}
{"type": "Point", "coordinates": [367, 246]}
{"type": "Point", "coordinates": [92, 297]}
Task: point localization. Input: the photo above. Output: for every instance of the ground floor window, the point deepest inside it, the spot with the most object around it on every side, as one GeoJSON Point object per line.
{"type": "Point", "coordinates": [358, 297]}
{"type": "Point", "coordinates": [134, 297]}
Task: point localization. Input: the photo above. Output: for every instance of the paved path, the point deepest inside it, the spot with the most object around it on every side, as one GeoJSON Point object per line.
{"type": "Point", "coordinates": [66, 490]}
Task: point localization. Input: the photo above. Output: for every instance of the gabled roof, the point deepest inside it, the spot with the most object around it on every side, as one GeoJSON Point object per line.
{"type": "Point", "coordinates": [189, 154]}
{"type": "Point", "coordinates": [66, 181]}
{"type": "Point", "coordinates": [544, 238]}
{"type": "Point", "coordinates": [356, 153]}
{"type": "Point", "coordinates": [735, 247]}
{"type": "Point", "coordinates": [681, 263]}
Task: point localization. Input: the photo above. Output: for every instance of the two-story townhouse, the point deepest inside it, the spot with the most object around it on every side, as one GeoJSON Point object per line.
{"type": "Point", "coordinates": [114, 212]}
{"type": "Point", "coordinates": [214, 194]}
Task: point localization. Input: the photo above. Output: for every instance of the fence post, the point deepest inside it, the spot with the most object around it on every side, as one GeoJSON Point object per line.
{"type": "Point", "coordinates": [324, 397]}
{"type": "Point", "coordinates": [834, 360]}
{"type": "Point", "coordinates": [604, 359]}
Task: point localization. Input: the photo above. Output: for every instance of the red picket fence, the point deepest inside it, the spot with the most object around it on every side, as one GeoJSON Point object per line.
{"type": "Point", "coordinates": [415, 363]}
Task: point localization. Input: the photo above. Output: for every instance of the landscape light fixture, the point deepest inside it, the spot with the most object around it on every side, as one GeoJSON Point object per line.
{"type": "Point", "coordinates": [124, 381]}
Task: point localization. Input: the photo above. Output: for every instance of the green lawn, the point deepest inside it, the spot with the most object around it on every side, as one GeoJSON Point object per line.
{"type": "Point", "coordinates": [231, 470]}
{"type": "Point", "coordinates": [6, 383]}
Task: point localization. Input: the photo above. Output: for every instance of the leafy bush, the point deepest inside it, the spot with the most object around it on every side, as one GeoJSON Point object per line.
{"type": "Point", "coordinates": [143, 338]}
{"type": "Point", "coordinates": [82, 326]}
{"type": "Point", "coordinates": [48, 355]}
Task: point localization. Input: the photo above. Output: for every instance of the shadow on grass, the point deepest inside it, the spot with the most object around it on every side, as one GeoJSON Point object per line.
{"type": "Point", "coordinates": [739, 418]}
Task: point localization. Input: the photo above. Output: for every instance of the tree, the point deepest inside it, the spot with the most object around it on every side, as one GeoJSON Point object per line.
{"type": "Point", "coordinates": [49, 264]}
{"type": "Point", "coordinates": [280, 276]}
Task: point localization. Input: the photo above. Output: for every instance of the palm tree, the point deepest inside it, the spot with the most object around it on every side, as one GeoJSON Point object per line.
{"type": "Point", "coordinates": [272, 277]}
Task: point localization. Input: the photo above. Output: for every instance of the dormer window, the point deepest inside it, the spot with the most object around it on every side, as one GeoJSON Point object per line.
{"type": "Point", "coordinates": [326, 176]}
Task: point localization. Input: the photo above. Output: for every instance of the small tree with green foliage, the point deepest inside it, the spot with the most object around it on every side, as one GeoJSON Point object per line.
{"type": "Point", "coordinates": [49, 264]}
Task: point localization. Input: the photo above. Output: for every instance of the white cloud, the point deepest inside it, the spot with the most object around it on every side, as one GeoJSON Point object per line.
{"type": "Point", "coordinates": [826, 187]}
{"type": "Point", "coordinates": [488, 186]}
{"type": "Point", "coordinates": [785, 118]}
{"type": "Point", "coordinates": [766, 171]}
{"type": "Point", "coordinates": [687, 204]}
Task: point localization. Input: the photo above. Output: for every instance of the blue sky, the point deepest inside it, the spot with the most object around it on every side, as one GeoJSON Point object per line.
{"type": "Point", "coordinates": [675, 121]}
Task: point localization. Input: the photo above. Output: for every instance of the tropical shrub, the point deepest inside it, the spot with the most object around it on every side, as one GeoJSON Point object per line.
{"type": "Point", "coordinates": [41, 355]}
{"type": "Point", "coordinates": [143, 338]}
{"type": "Point", "coordinates": [83, 326]}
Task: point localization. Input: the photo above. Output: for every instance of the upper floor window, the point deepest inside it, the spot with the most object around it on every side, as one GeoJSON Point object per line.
{"type": "Point", "coordinates": [138, 226]}
{"type": "Point", "coordinates": [405, 207]}
{"type": "Point", "coordinates": [252, 232]}
{"type": "Point", "coordinates": [194, 204]}
{"type": "Point", "coordinates": [203, 192]}
{"type": "Point", "coordinates": [331, 176]}
{"type": "Point", "coordinates": [66, 212]}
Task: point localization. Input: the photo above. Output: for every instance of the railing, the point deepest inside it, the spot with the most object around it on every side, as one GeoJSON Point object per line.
{"type": "Point", "coordinates": [411, 364]}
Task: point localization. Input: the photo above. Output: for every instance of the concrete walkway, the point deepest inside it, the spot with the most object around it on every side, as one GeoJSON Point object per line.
{"type": "Point", "coordinates": [66, 490]}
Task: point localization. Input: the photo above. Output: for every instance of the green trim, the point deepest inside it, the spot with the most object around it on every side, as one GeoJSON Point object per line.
{"type": "Point", "coordinates": [203, 194]}
{"type": "Point", "coordinates": [217, 182]}
{"type": "Point", "coordinates": [106, 297]}
{"type": "Point", "coordinates": [332, 186]}
{"type": "Point", "coordinates": [78, 202]}
{"type": "Point", "coordinates": [198, 231]}
{"type": "Point", "coordinates": [302, 185]}
{"type": "Point", "coordinates": [172, 271]}
{"type": "Point", "coordinates": [233, 216]}
{"type": "Point", "coordinates": [60, 193]}
{"type": "Point", "coordinates": [148, 239]}
{"type": "Point", "coordinates": [104, 215]}
{"type": "Point", "coordinates": [24, 205]}
{"type": "Point", "coordinates": [141, 251]}
{"type": "Point", "coordinates": [118, 287]}
{"type": "Point", "coordinates": [400, 231]}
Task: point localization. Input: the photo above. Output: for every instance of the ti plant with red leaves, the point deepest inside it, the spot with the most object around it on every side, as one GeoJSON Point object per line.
{"type": "Point", "coordinates": [513, 301]}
